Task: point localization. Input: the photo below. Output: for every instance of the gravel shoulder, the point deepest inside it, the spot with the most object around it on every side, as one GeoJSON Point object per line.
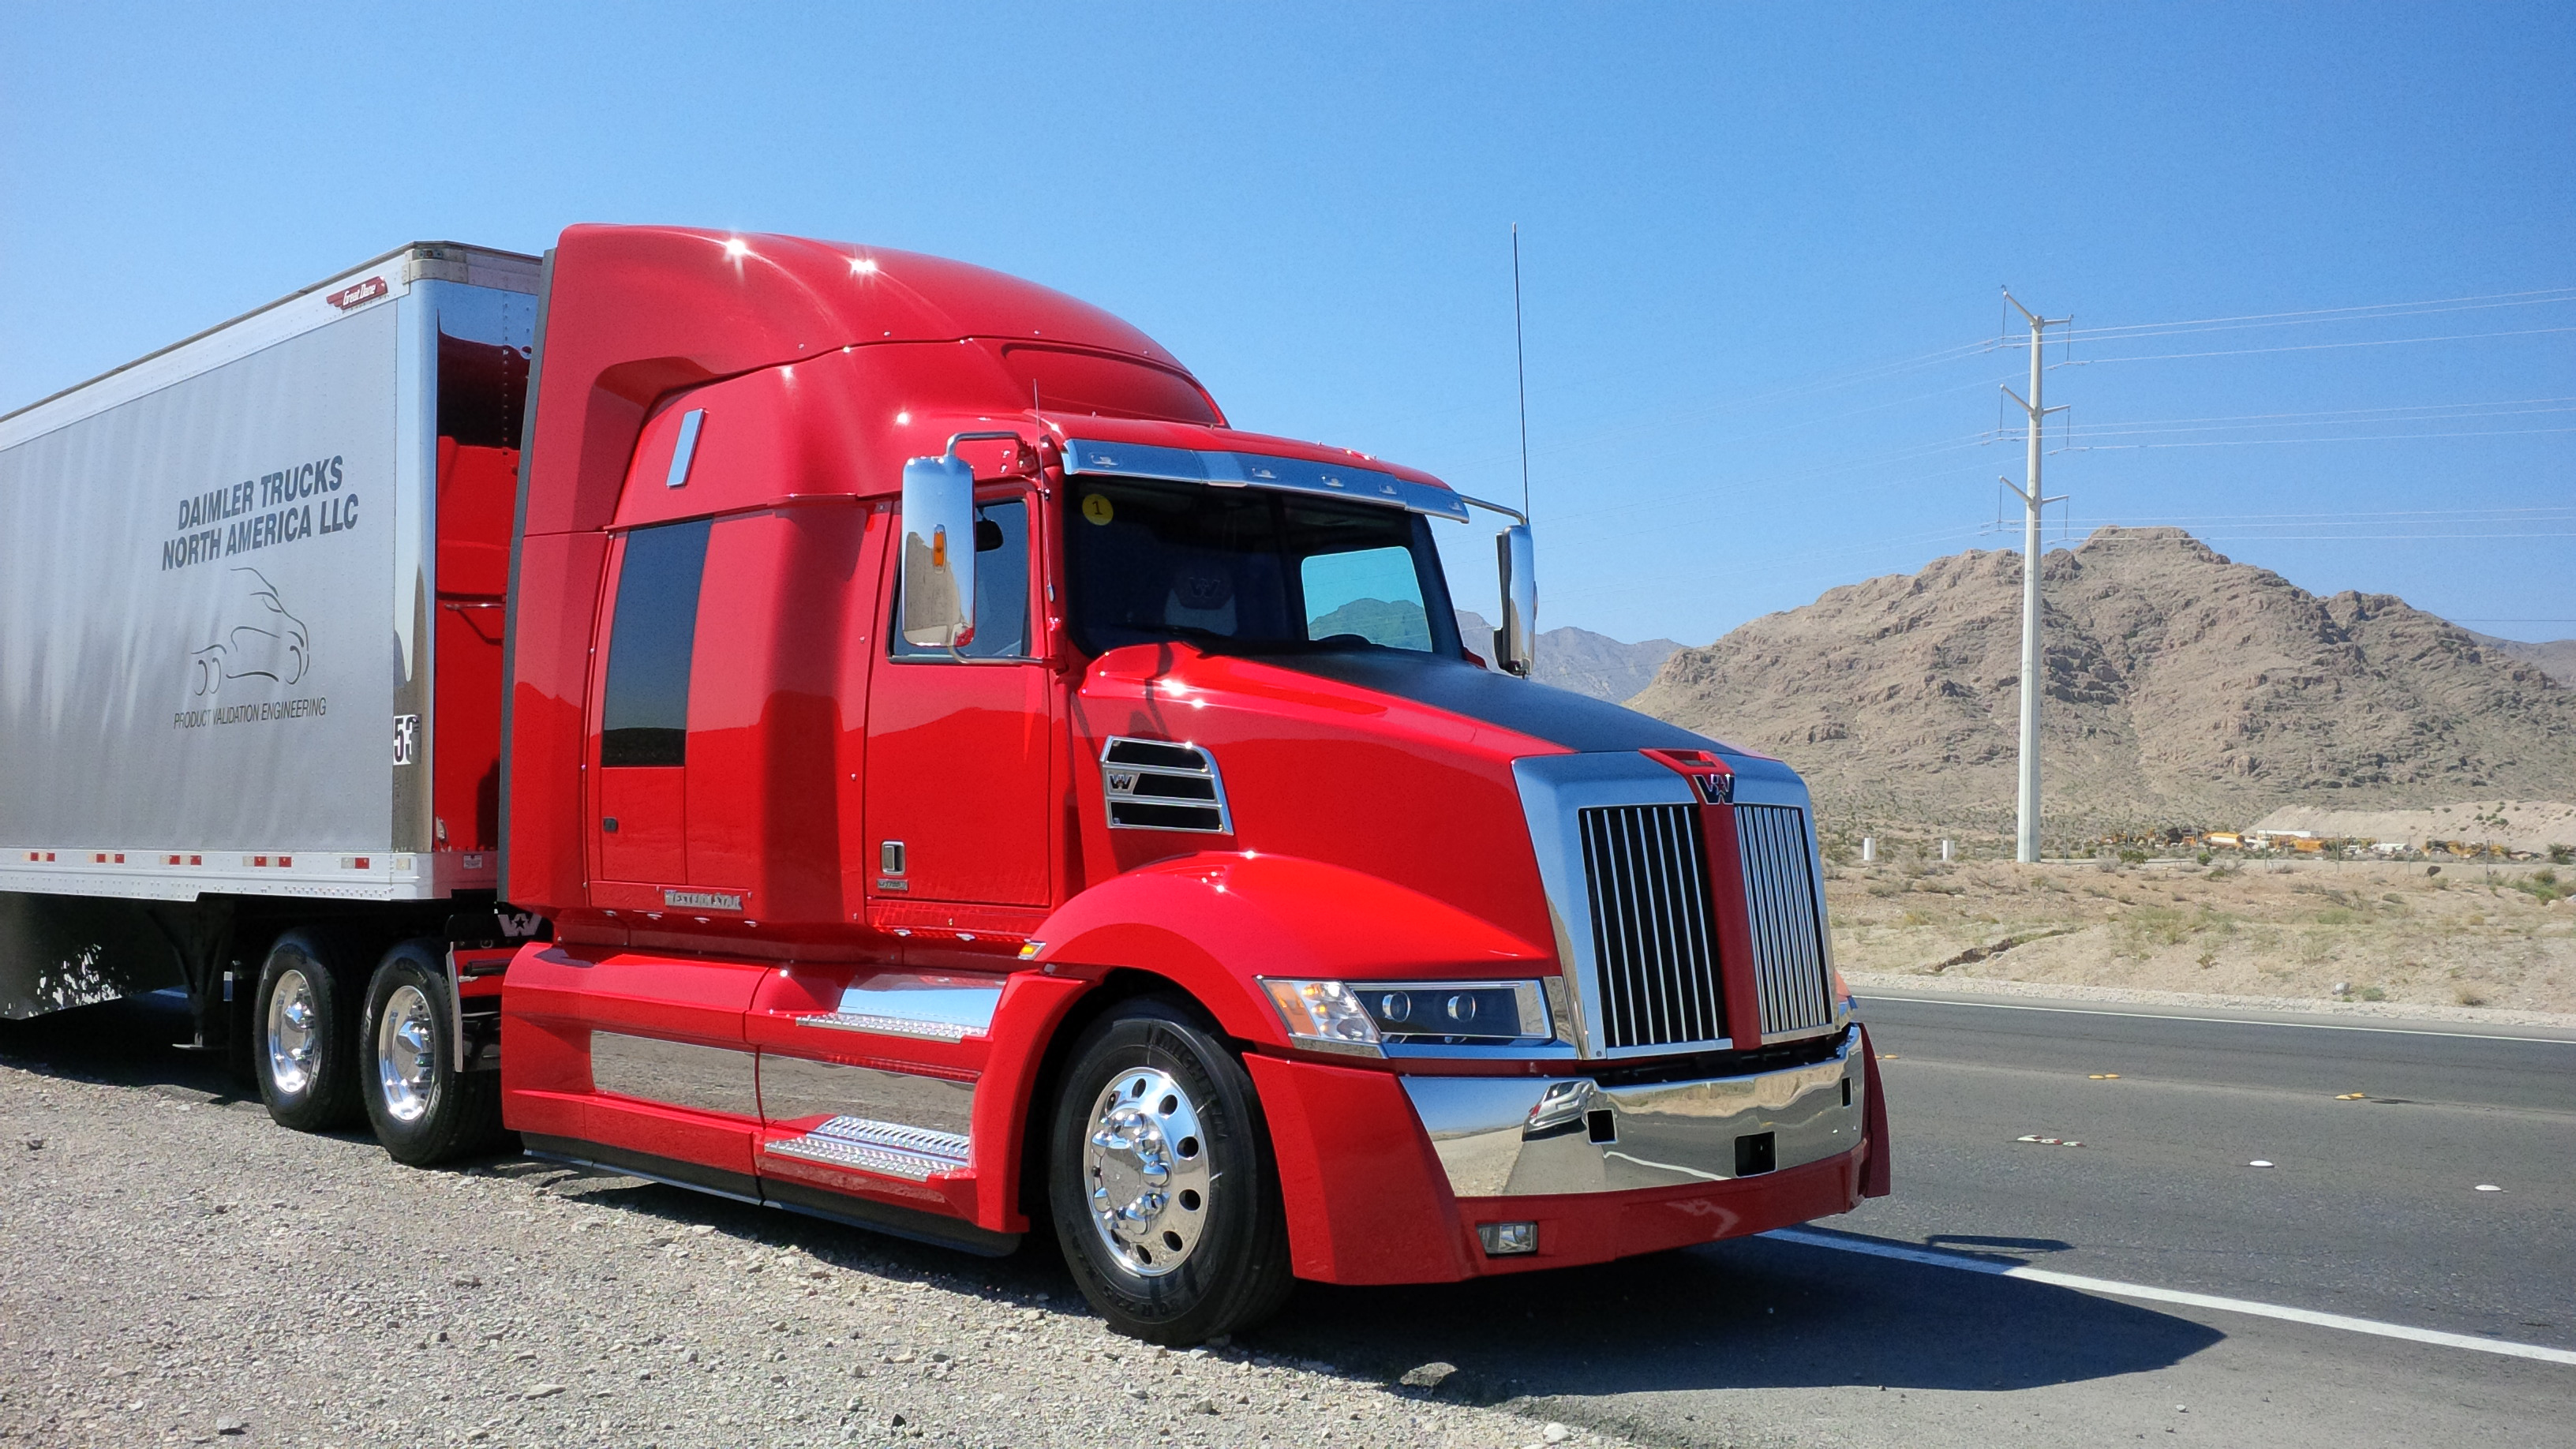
{"type": "Point", "coordinates": [179, 1270]}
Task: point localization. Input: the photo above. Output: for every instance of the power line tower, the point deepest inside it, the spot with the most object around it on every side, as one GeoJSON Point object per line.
{"type": "Point", "coordinates": [2026, 848]}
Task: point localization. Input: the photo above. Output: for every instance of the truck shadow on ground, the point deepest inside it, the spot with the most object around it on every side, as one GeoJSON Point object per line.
{"type": "Point", "coordinates": [128, 1043]}
{"type": "Point", "coordinates": [1752, 1313]}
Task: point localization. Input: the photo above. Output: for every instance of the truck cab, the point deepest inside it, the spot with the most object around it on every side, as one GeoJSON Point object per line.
{"type": "Point", "coordinates": [977, 790]}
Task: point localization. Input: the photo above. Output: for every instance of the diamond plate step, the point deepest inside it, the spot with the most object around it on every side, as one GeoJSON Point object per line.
{"type": "Point", "coordinates": [887, 1148]}
{"type": "Point", "coordinates": [886, 1025]}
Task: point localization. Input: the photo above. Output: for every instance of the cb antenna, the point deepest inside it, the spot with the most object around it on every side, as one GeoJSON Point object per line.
{"type": "Point", "coordinates": [1520, 367]}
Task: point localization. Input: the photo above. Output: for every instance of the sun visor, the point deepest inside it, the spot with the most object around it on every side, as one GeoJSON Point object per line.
{"type": "Point", "coordinates": [1259, 470]}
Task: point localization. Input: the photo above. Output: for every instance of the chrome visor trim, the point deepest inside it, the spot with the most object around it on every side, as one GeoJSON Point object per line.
{"type": "Point", "coordinates": [1083, 458]}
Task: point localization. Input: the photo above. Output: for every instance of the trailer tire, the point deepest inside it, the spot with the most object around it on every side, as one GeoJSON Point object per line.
{"type": "Point", "coordinates": [305, 1036]}
{"type": "Point", "coordinates": [424, 1110]}
{"type": "Point", "coordinates": [1161, 1182]}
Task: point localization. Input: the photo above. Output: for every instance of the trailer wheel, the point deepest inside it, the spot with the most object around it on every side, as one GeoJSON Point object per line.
{"type": "Point", "coordinates": [306, 1042]}
{"type": "Point", "coordinates": [1161, 1182]}
{"type": "Point", "coordinates": [424, 1110]}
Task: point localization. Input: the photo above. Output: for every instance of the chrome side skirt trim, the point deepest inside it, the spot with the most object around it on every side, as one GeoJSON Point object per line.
{"type": "Point", "coordinates": [801, 1091]}
{"type": "Point", "coordinates": [675, 1073]}
{"type": "Point", "coordinates": [886, 1148]}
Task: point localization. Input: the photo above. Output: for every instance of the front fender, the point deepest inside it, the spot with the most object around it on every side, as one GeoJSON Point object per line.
{"type": "Point", "coordinates": [1210, 923]}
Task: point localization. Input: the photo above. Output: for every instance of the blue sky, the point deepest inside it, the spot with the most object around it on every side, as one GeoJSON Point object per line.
{"type": "Point", "coordinates": [1762, 246]}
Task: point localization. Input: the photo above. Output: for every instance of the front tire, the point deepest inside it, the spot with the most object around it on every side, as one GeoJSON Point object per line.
{"type": "Point", "coordinates": [424, 1110]}
{"type": "Point", "coordinates": [305, 1034]}
{"type": "Point", "coordinates": [1161, 1181]}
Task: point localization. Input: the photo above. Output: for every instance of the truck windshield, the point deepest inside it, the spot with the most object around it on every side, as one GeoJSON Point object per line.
{"type": "Point", "coordinates": [1244, 570]}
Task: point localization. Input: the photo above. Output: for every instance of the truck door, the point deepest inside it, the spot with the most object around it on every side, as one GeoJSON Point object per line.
{"type": "Point", "coordinates": [958, 749]}
{"type": "Point", "coordinates": [640, 791]}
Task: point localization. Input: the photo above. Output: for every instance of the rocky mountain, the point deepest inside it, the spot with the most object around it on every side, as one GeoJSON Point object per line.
{"type": "Point", "coordinates": [2182, 688]}
{"type": "Point", "coordinates": [1580, 660]}
{"type": "Point", "coordinates": [2556, 657]}
{"type": "Point", "coordinates": [1400, 623]}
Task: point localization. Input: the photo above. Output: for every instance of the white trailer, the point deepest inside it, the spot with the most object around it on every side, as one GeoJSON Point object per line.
{"type": "Point", "coordinates": [251, 594]}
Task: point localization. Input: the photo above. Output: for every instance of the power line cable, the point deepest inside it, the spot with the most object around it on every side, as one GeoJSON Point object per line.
{"type": "Point", "coordinates": [2276, 442]}
{"type": "Point", "coordinates": [2317, 346]}
{"type": "Point", "coordinates": [2313, 316]}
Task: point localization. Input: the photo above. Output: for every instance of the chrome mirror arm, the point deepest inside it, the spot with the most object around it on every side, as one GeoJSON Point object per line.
{"type": "Point", "coordinates": [1515, 561]}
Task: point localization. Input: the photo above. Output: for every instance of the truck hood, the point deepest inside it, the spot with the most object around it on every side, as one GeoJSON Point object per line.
{"type": "Point", "coordinates": [1394, 765]}
{"type": "Point", "coordinates": [1577, 722]}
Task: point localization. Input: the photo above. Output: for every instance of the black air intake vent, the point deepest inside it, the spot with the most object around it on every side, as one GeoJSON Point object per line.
{"type": "Point", "coordinates": [1653, 937]}
{"type": "Point", "coordinates": [1157, 785]}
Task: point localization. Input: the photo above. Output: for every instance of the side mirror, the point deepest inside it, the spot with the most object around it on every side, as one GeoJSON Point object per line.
{"type": "Point", "coordinates": [1516, 642]}
{"type": "Point", "coordinates": [939, 547]}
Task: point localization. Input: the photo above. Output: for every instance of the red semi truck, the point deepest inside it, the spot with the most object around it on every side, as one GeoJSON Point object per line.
{"type": "Point", "coordinates": [944, 778]}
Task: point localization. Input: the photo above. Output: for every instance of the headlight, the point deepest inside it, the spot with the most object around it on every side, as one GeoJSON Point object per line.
{"type": "Point", "coordinates": [1363, 1016]}
{"type": "Point", "coordinates": [1324, 1014]}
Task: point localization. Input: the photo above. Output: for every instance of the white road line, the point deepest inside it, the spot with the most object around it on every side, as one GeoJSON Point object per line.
{"type": "Point", "coordinates": [2214, 1020]}
{"type": "Point", "coordinates": [2116, 1289]}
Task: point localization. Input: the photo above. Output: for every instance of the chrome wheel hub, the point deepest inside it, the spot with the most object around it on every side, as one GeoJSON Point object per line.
{"type": "Point", "coordinates": [293, 1041]}
{"type": "Point", "coordinates": [406, 1054]}
{"type": "Point", "coordinates": [1145, 1170]}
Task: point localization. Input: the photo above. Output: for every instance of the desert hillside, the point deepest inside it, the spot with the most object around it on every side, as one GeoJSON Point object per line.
{"type": "Point", "coordinates": [2556, 657]}
{"type": "Point", "coordinates": [1580, 660]}
{"type": "Point", "coordinates": [2182, 689]}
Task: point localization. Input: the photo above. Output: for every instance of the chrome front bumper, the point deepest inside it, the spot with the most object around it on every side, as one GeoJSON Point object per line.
{"type": "Point", "coordinates": [1525, 1136]}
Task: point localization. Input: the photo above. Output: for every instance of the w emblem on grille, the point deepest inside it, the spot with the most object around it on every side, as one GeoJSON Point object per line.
{"type": "Point", "coordinates": [1717, 789]}
{"type": "Point", "coordinates": [1122, 782]}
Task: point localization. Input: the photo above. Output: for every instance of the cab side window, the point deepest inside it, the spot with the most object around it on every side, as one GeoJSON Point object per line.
{"type": "Point", "coordinates": [644, 718]}
{"type": "Point", "coordinates": [1001, 589]}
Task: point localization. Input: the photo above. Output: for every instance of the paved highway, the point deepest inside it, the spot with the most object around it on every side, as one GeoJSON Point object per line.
{"type": "Point", "coordinates": [2371, 1210]}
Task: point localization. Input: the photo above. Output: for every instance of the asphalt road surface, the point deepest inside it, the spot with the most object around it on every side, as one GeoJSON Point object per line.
{"type": "Point", "coordinates": [2371, 1210]}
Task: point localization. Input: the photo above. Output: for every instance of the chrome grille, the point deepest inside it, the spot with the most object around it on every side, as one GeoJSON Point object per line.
{"type": "Point", "coordinates": [1653, 940]}
{"type": "Point", "coordinates": [1788, 926]}
{"type": "Point", "coordinates": [1158, 785]}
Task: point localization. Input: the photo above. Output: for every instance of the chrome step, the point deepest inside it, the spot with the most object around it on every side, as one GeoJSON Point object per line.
{"type": "Point", "coordinates": [887, 1025]}
{"type": "Point", "coordinates": [886, 1148]}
